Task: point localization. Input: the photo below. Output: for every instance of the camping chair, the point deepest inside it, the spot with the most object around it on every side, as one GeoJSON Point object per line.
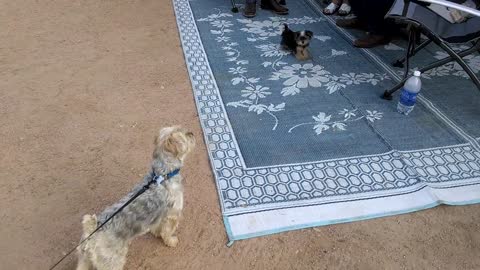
{"type": "Point", "coordinates": [420, 19]}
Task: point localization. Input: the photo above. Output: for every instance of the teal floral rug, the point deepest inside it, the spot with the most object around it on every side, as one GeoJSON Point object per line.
{"type": "Point", "coordinates": [301, 144]}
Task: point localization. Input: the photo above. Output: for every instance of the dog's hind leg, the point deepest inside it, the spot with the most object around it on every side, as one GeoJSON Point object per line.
{"type": "Point", "coordinates": [107, 251]}
{"type": "Point", "coordinates": [89, 224]}
{"type": "Point", "coordinates": [84, 263]}
{"type": "Point", "coordinates": [114, 263]}
{"type": "Point", "coordinates": [166, 230]}
{"type": "Point", "coordinates": [111, 259]}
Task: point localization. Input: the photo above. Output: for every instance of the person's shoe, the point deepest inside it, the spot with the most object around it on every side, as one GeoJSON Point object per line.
{"type": "Point", "coordinates": [370, 41]}
{"type": "Point", "coordinates": [353, 23]}
{"type": "Point", "coordinates": [250, 9]}
{"type": "Point", "coordinates": [330, 9]}
{"type": "Point", "coordinates": [344, 9]}
{"type": "Point", "coordinates": [274, 6]}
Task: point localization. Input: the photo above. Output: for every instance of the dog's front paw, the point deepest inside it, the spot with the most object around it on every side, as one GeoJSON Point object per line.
{"type": "Point", "coordinates": [303, 56]}
{"type": "Point", "coordinates": [171, 241]}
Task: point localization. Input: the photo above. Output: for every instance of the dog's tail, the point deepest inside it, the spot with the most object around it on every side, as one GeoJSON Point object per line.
{"type": "Point", "coordinates": [89, 224]}
{"type": "Point", "coordinates": [286, 26]}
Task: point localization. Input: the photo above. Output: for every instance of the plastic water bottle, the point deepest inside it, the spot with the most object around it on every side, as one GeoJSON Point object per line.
{"type": "Point", "coordinates": [410, 90]}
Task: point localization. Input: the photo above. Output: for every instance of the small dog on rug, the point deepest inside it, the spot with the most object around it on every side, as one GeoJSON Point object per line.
{"type": "Point", "coordinates": [297, 42]}
{"type": "Point", "coordinates": [157, 210]}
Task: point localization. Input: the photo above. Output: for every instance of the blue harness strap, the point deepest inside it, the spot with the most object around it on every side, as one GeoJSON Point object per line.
{"type": "Point", "coordinates": [160, 178]}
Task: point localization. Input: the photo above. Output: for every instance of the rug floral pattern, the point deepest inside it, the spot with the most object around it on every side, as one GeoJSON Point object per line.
{"type": "Point", "coordinates": [295, 78]}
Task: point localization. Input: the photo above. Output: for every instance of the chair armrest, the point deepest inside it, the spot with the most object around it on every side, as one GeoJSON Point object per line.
{"type": "Point", "coordinates": [444, 3]}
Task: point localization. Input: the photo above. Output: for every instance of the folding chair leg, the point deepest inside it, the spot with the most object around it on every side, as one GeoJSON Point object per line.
{"type": "Point", "coordinates": [388, 93]}
{"type": "Point", "coordinates": [460, 61]}
{"type": "Point", "coordinates": [454, 56]}
{"type": "Point", "coordinates": [449, 59]}
{"type": "Point", "coordinates": [411, 51]}
{"type": "Point", "coordinates": [399, 62]}
{"type": "Point", "coordinates": [234, 6]}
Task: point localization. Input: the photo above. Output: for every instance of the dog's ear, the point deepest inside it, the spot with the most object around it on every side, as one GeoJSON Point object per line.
{"type": "Point", "coordinates": [164, 141]}
{"type": "Point", "coordinates": [179, 143]}
{"type": "Point", "coordinates": [171, 145]}
{"type": "Point", "coordinates": [285, 27]}
{"type": "Point", "coordinates": [296, 34]}
{"type": "Point", "coordinates": [309, 33]}
{"type": "Point", "coordinates": [164, 133]}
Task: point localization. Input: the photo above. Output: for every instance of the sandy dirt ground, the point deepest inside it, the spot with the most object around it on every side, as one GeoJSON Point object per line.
{"type": "Point", "coordinates": [84, 87]}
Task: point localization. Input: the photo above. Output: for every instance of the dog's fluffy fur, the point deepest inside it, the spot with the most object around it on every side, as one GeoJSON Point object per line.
{"type": "Point", "coordinates": [297, 42]}
{"type": "Point", "coordinates": [157, 210]}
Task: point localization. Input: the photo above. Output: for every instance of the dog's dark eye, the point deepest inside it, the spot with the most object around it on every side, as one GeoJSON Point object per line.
{"type": "Point", "coordinates": [302, 38]}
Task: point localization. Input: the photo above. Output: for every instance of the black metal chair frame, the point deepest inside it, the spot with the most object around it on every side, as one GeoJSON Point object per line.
{"type": "Point", "coordinates": [234, 6]}
{"type": "Point", "coordinates": [417, 27]}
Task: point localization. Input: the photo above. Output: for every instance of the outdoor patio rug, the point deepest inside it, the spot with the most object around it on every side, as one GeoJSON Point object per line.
{"type": "Point", "coordinates": [302, 144]}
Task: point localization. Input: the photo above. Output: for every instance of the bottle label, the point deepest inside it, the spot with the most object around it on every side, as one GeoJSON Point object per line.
{"type": "Point", "coordinates": [407, 98]}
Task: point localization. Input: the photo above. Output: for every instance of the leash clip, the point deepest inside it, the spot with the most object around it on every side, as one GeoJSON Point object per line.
{"type": "Point", "coordinates": [158, 179]}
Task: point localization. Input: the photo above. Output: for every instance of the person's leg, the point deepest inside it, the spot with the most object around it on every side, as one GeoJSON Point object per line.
{"type": "Point", "coordinates": [345, 8]}
{"type": "Point", "coordinates": [274, 6]}
{"type": "Point", "coordinates": [358, 22]}
{"type": "Point", "coordinates": [356, 6]}
{"type": "Point", "coordinates": [250, 9]}
{"type": "Point", "coordinates": [373, 14]}
{"type": "Point", "coordinates": [332, 7]}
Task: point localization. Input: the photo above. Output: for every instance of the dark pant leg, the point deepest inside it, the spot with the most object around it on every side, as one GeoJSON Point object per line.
{"type": "Point", "coordinates": [373, 12]}
{"type": "Point", "coordinates": [357, 7]}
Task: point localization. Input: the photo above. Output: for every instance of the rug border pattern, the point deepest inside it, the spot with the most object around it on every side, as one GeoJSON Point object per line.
{"type": "Point", "coordinates": [230, 170]}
